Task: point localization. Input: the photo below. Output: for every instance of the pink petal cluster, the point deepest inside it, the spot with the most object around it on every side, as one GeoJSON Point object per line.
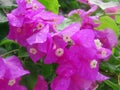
{"type": "Point", "coordinates": [77, 49]}
{"type": "Point", "coordinates": [29, 24]}
{"type": "Point", "coordinates": [10, 72]}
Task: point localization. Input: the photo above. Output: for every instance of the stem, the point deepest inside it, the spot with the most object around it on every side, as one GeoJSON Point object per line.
{"type": "Point", "coordinates": [9, 52]}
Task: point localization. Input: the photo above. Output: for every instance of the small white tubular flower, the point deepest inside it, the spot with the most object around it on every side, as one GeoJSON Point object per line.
{"type": "Point", "coordinates": [98, 43]}
{"type": "Point", "coordinates": [93, 63]}
{"type": "Point", "coordinates": [29, 1]}
{"type": "Point", "coordinates": [67, 38]}
{"type": "Point", "coordinates": [104, 53]}
{"type": "Point", "coordinates": [39, 26]}
{"type": "Point", "coordinates": [11, 82]}
{"type": "Point", "coordinates": [59, 52]}
{"type": "Point", "coordinates": [35, 7]}
{"type": "Point", "coordinates": [33, 51]}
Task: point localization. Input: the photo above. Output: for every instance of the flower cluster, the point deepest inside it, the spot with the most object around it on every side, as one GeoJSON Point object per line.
{"type": "Point", "coordinates": [11, 71]}
{"type": "Point", "coordinates": [77, 49]}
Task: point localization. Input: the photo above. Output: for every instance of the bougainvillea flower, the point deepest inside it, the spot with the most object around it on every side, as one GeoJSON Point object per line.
{"type": "Point", "coordinates": [104, 53]}
{"type": "Point", "coordinates": [87, 21]}
{"type": "Point", "coordinates": [39, 37]}
{"type": "Point", "coordinates": [12, 68]}
{"type": "Point", "coordinates": [20, 31]}
{"type": "Point", "coordinates": [60, 41]}
{"type": "Point", "coordinates": [29, 7]}
{"type": "Point", "coordinates": [37, 49]}
{"type": "Point", "coordinates": [11, 84]}
{"type": "Point", "coordinates": [34, 53]}
{"type": "Point", "coordinates": [68, 78]}
{"type": "Point", "coordinates": [41, 84]}
{"type": "Point", "coordinates": [114, 9]}
{"type": "Point", "coordinates": [10, 72]}
{"type": "Point", "coordinates": [107, 37]}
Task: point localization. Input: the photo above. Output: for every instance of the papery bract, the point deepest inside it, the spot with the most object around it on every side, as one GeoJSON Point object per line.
{"type": "Point", "coordinates": [41, 84]}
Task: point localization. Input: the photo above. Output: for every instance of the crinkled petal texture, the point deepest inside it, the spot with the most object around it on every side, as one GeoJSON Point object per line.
{"type": "Point", "coordinates": [41, 84]}
{"type": "Point", "coordinates": [60, 83]}
{"type": "Point", "coordinates": [10, 72]}
{"type": "Point", "coordinates": [39, 37]}
{"type": "Point", "coordinates": [107, 37]}
{"type": "Point", "coordinates": [13, 84]}
{"type": "Point", "coordinates": [14, 68]}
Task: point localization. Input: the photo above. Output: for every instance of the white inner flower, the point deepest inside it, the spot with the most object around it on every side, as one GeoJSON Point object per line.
{"type": "Point", "coordinates": [29, 1]}
{"type": "Point", "coordinates": [98, 43]}
{"type": "Point", "coordinates": [93, 63]}
{"type": "Point", "coordinates": [66, 38]}
{"type": "Point", "coordinates": [35, 7]}
{"type": "Point", "coordinates": [33, 51]}
{"type": "Point", "coordinates": [104, 53]}
{"type": "Point", "coordinates": [39, 26]}
{"type": "Point", "coordinates": [59, 52]}
{"type": "Point", "coordinates": [11, 82]}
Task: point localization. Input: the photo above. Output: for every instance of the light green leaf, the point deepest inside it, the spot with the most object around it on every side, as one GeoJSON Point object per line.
{"type": "Point", "coordinates": [51, 5]}
{"type": "Point", "coordinates": [118, 19]}
{"type": "Point", "coordinates": [104, 5]}
{"type": "Point", "coordinates": [107, 22]}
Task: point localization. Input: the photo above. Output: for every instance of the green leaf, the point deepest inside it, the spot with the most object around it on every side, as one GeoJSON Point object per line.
{"type": "Point", "coordinates": [112, 85]}
{"type": "Point", "coordinates": [51, 5]}
{"type": "Point", "coordinates": [22, 52]}
{"type": "Point", "coordinates": [47, 70]}
{"type": "Point", "coordinates": [3, 30]}
{"type": "Point", "coordinates": [29, 81]}
{"type": "Point", "coordinates": [7, 4]}
{"type": "Point", "coordinates": [2, 17]}
{"type": "Point", "coordinates": [107, 22]}
{"type": "Point", "coordinates": [118, 19]}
